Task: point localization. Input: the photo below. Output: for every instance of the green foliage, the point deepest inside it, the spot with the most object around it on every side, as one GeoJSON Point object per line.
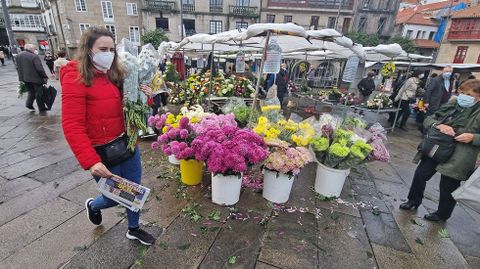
{"type": "Point", "coordinates": [406, 43]}
{"type": "Point", "coordinates": [154, 37]}
{"type": "Point", "coordinates": [364, 39]}
{"type": "Point", "coordinates": [171, 74]}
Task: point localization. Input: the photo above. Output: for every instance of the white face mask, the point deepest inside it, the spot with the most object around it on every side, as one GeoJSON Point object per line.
{"type": "Point", "coordinates": [103, 60]}
{"type": "Point", "coordinates": [421, 76]}
{"type": "Point", "coordinates": [36, 52]}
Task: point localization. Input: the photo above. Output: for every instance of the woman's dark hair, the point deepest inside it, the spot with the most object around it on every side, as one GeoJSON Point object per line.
{"type": "Point", "coordinates": [116, 74]}
{"type": "Point", "coordinates": [471, 84]}
{"type": "Point", "coordinates": [433, 75]}
{"type": "Point", "coordinates": [62, 54]}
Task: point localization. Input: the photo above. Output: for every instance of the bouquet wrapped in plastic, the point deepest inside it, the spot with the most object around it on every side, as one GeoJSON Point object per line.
{"type": "Point", "coordinates": [359, 152]}
{"type": "Point", "coordinates": [336, 154]}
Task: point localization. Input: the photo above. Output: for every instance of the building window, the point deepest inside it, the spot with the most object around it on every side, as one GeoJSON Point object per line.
{"type": "Point", "coordinates": [418, 34]}
{"type": "Point", "coordinates": [34, 22]}
{"type": "Point", "coordinates": [478, 59]}
{"type": "Point", "coordinates": [134, 34]}
{"type": "Point", "coordinates": [216, 6]}
{"type": "Point", "coordinates": [366, 4]}
{"type": "Point", "coordinates": [189, 27]}
{"type": "Point", "coordinates": [460, 55]}
{"type": "Point", "coordinates": [132, 9]}
{"type": "Point", "coordinates": [242, 25]}
{"type": "Point", "coordinates": [287, 19]}
{"type": "Point", "coordinates": [314, 22]}
{"type": "Point", "coordinates": [431, 36]}
{"type": "Point", "coordinates": [216, 27]}
{"type": "Point", "coordinates": [346, 25]}
{"type": "Point", "coordinates": [331, 22]}
{"type": "Point", "coordinates": [111, 28]}
{"type": "Point", "coordinates": [80, 5]}
{"type": "Point", "coordinates": [107, 10]}
{"type": "Point", "coordinates": [83, 27]}
{"type": "Point", "coordinates": [270, 18]}
{"type": "Point", "coordinates": [161, 23]}
{"type": "Point", "coordinates": [409, 34]}
{"type": "Point", "coordinates": [362, 24]}
{"type": "Point", "coordinates": [381, 25]}
{"type": "Point", "coordinates": [243, 3]}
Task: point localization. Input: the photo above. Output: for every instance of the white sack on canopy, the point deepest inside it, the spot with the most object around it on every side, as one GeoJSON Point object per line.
{"type": "Point", "coordinates": [323, 33]}
{"type": "Point", "coordinates": [165, 46]}
{"type": "Point", "coordinates": [391, 50]}
{"type": "Point", "coordinates": [278, 28]}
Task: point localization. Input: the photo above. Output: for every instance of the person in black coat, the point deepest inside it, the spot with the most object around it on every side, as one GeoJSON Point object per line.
{"type": "Point", "coordinates": [281, 80]}
{"type": "Point", "coordinates": [366, 86]}
{"type": "Point", "coordinates": [30, 71]}
{"type": "Point", "coordinates": [438, 91]}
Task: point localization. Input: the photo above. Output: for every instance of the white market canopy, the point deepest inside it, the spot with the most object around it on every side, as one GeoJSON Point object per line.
{"type": "Point", "coordinates": [296, 43]}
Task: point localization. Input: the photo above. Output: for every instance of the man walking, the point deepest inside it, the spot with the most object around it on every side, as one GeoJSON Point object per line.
{"type": "Point", "coordinates": [438, 91]}
{"type": "Point", "coordinates": [30, 71]}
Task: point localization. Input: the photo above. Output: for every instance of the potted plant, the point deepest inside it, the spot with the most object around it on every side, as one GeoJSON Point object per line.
{"type": "Point", "coordinates": [177, 142]}
{"type": "Point", "coordinates": [280, 168]}
{"type": "Point", "coordinates": [338, 151]}
{"type": "Point", "coordinates": [228, 151]}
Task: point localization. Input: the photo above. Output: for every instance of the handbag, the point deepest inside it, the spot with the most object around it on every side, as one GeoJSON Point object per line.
{"type": "Point", "coordinates": [49, 94]}
{"type": "Point", "coordinates": [437, 145]}
{"type": "Point", "coordinates": [469, 193]}
{"type": "Point", "coordinates": [114, 152]}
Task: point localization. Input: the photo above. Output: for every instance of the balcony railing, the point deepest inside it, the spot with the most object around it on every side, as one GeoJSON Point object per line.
{"type": "Point", "coordinates": [188, 7]}
{"type": "Point", "coordinates": [216, 8]}
{"type": "Point", "coordinates": [160, 5]}
{"type": "Point", "coordinates": [244, 11]}
{"type": "Point", "coordinates": [330, 4]}
{"type": "Point", "coordinates": [464, 35]}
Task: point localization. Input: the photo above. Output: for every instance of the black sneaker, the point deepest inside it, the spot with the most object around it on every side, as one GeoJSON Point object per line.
{"type": "Point", "coordinates": [140, 235]}
{"type": "Point", "coordinates": [95, 217]}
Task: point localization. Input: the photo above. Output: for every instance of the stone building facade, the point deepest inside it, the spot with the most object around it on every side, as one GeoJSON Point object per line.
{"type": "Point", "coordinates": [199, 16]}
{"type": "Point", "coordinates": [311, 14]}
{"type": "Point", "coordinates": [72, 17]}
{"type": "Point", "coordinates": [375, 17]}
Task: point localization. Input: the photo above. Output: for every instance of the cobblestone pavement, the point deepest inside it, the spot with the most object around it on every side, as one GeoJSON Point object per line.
{"type": "Point", "coordinates": [43, 223]}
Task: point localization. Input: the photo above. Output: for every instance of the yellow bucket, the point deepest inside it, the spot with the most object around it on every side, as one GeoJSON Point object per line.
{"type": "Point", "coordinates": [191, 172]}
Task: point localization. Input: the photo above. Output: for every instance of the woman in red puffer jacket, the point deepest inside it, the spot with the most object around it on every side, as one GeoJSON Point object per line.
{"type": "Point", "coordinates": [92, 115]}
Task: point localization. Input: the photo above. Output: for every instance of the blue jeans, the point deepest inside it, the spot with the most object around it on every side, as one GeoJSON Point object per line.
{"type": "Point", "coordinates": [130, 169]}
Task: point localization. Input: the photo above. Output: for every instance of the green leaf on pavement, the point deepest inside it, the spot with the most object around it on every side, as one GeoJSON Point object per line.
{"type": "Point", "coordinates": [444, 233]}
{"type": "Point", "coordinates": [80, 248]}
{"type": "Point", "coordinates": [163, 246]}
{"type": "Point", "coordinates": [419, 241]}
{"type": "Point", "coordinates": [416, 222]}
{"type": "Point", "coordinates": [369, 254]}
{"type": "Point", "coordinates": [376, 211]}
{"type": "Point", "coordinates": [142, 249]}
{"type": "Point", "coordinates": [232, 259]}
{"type": "Point", "coordinates": [214, 215]}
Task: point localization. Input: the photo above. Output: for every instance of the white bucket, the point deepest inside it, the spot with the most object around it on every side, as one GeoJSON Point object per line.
{"type": "Point", "coordinates": [276, 188]}
{"type": "Point", "coordinates": [173, 160]}
{"type": "Point", "coordinates": [329, 182]}
{"type": "Point", "coordinates": [226, 189]}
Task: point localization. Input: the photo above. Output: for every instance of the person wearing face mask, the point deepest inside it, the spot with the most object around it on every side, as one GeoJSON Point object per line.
{"type": "Point", "coordinates": [281, 79]}
{"type": "Point", "coordinates": [438, 91]}
{"type": "Point", "coordinates": [461, 119]}
{"type": "Point", "coordinates": [30, 71]}
{"type": "Point", "coordinates": [92, 117]}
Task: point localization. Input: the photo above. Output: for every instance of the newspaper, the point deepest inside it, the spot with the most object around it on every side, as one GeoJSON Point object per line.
{"type": "Point", "coordinates": [127, 193]}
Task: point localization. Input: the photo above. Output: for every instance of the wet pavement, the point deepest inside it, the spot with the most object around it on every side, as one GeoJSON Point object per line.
{"type": "Point", "coordinates": [43, 222]}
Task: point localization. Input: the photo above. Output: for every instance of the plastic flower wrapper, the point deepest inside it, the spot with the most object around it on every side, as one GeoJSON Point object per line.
{"type": "Point", "coordinates": [326, 124]}
{"type": "Point", "coordinates": [231, 104]}
{"type": "Point", "coordinates": [358, 154]}
{"type": "Point", "coordinates": [272, 112]}
{"type": "Point", "coordinates": [320, 145]}
{"type": "Point", "coordinates": [285, 159]}
{"type": "Point", "coordinates": [148, 60]}
{"type": "Point", "coordinates": [229, 150]}
{"type": "Point", "coordinates": [304, 134]}
{"type": "Point", "coordinates": [336, 154]}
{"type": "Point", "coordinates": [351, 123]}
{"type": "Point", "coordinates": [379, 152]}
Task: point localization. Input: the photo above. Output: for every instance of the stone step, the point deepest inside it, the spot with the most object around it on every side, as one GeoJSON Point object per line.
{"type": "Point", "coordinates": [12, 188]}
{"type": "Point", "coordinates": [25, 229]}
{"type": "Point", "coordinates": [388, 258]}
{"type": "Point", "coordinates": [58, 246]}
{"type": "Point", "coordinates": [41, 195]}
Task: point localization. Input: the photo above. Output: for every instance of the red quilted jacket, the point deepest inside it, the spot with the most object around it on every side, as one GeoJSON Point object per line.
{"type": "Point", "coordinates": [90, 115]}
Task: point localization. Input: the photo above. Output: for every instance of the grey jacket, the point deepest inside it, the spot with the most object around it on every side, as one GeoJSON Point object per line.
{"type": "Point", "coordinates": [30, 68]}
{"type": "Point", "coordinates": [436, 94]}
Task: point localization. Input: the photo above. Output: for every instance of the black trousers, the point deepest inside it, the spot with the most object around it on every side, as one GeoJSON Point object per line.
{"type": "Point", "coordinates": [35, 92]}
{"type": "Point", "coordinates": [424, 172]}
{"type": "Point", "coordinates": [404, 113]}
{"type": "Point", "coordinates": [2, 60]}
